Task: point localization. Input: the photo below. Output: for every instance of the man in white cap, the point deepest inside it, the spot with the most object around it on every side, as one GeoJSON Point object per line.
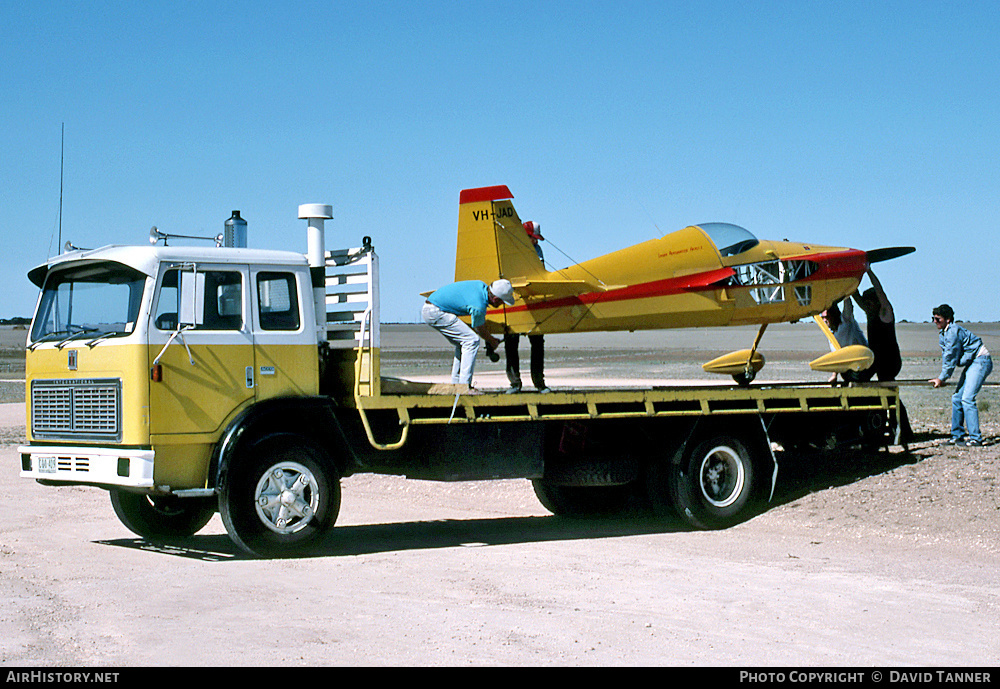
{"type": "Point", "coordinates": [470, 298]}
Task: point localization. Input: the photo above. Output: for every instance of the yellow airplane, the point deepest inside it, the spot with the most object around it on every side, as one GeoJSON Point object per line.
{"type": "Point", "coordinates": [705, 275]}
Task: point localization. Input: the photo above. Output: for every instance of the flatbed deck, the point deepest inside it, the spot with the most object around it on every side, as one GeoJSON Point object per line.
{"type": "Point", "coordinates": [423, 403]}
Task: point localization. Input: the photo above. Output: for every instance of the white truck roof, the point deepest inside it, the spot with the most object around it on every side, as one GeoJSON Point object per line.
{"type": "Point", "coordinates": [146, 258]}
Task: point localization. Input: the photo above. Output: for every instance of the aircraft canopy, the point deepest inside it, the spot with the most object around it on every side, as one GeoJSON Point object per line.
{"type": "Point", "coordinates": [729, 239]}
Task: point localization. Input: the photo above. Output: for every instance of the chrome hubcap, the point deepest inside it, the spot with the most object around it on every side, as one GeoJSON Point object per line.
{"type": "Point", "coordinates": [287, 497]}
{"type": "Point", "coordinates": [722, 476]}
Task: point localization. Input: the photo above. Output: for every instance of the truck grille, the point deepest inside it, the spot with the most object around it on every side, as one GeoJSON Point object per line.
{"type": "Point", "coordinates": [82, 409]}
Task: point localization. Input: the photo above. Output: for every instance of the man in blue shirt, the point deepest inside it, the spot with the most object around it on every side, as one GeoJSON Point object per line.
{"type": "Point", "coordinates": [470, 298]}
{"type": "Point", "coordinates": [959, 347]}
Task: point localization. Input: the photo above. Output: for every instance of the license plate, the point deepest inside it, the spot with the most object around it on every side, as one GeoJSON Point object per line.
{"type": "Point", "coordinates": [46, 465]}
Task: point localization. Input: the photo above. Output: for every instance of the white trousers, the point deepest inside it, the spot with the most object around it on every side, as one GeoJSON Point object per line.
{"type": "Point", "coordinates": [464, 338]}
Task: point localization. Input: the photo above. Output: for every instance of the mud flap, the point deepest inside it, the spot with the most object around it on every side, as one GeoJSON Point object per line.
{"type": "Point", "coordinates": [774, 458]}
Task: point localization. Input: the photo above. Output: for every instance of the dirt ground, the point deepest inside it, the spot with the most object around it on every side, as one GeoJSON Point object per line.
{"type": "Point", "coordinates": [884, 559]}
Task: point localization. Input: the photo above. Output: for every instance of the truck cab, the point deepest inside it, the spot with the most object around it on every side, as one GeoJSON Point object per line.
{"type": "Point", "coordinates": [138, 358]}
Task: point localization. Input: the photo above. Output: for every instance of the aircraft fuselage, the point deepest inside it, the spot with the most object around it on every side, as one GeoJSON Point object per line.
{"type": "Point", "coordinates": [682, 281]}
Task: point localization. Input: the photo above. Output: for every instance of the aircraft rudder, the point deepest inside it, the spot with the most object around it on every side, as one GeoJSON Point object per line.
{"type": "Point", "coordinates": [491, 238]}
{"type": "Point", "coordinates": [476, 256]}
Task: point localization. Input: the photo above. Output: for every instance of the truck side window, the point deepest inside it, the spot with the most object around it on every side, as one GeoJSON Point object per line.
{"type": "Point", "coordinates": [223, 300]}
{"type": "Point", "coordinates": [277, 301]}
{"type": "Point", "coordinates": [167, 306]}
{"type": "Point", "coordinates": [223, 303]}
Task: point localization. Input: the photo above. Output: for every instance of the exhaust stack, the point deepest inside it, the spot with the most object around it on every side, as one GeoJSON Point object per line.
{"type": "Point", "coordinates": [317, 214]}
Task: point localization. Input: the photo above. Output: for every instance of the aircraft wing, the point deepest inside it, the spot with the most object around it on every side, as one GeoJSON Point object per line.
{"type": "Point", "coordinates": [548, 289]}
{"type": "Point", "coordinates": [541, 288]}
{"type": "Point", "coordinates": [532, 289]}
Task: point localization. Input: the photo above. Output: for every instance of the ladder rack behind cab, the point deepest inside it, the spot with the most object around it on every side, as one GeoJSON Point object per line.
{"type": "Point", "coordinates": [353, 330]}
{"type": "Point", "coordinates": [351, 295]}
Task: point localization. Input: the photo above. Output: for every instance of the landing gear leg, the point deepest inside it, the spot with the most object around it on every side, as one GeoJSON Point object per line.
{"type": "Point", "coordinates": [749, 373]}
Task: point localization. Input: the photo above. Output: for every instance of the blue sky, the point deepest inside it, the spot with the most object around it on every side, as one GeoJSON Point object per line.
{"type": "Point", "coordinates": [861, 124]}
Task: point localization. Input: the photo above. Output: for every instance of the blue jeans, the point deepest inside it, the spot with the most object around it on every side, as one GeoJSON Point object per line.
{"type": "Point", "coordinates": [964, 412]}
{"type": "Point", "coordinates": [461, 336]}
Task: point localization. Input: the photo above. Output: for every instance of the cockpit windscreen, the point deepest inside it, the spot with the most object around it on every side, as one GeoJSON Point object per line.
{"type": "Point", "coordinates": [729, 239]}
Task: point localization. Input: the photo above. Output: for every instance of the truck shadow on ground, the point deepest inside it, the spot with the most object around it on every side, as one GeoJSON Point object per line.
{"type": "Point", "coordinates": [799, 475]}
{"type": "Point", "coordinates": [368, 539]}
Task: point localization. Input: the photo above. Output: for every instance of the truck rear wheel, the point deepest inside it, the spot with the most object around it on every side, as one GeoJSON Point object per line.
{"type": "Point", "coordinates": [582, 501]}
{"type": "Point", "coordinates": [162, 516]}
{"type": "Point", "coordinates": [711, 486]}
{"type": "Point", "coordinates": [281, 498]}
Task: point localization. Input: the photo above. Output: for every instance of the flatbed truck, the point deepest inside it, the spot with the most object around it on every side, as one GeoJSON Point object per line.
{"type": "Point", "coordinates": [188, 381]}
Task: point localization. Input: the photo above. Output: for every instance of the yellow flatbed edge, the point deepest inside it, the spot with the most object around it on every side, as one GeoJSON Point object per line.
{"type": "Point", "coordinates": [417, 406]}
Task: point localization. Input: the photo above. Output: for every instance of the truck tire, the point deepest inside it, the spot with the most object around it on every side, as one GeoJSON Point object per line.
{"type": "Point", "coordinates": [712, 486]}
{"type": "Point", "coordinates": [582, 501]}
{"type": "Point", "coordinates": [162, 516]}
{"type": "Point", "coordinates": [281, 496]}
{"type": "Point", "coordinates": [874, 431]}
{"type": "Point", "coordinates": [591, 472]}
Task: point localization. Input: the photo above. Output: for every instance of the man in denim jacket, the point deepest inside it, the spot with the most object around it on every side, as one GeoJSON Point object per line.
{"type": "Point", "coordinates": [959, 347]}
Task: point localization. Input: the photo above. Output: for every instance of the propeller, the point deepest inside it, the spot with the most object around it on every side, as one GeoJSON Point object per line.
{"type": "Point", "coordinates": [888, 253]}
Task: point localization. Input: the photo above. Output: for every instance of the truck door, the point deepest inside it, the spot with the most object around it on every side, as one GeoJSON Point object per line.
{"type": "Point", "coordinates": [284, 337]}
{"type": "Point", "coordinates": [200, 335]}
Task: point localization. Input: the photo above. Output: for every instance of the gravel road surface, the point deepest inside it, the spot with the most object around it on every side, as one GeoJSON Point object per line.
{"type": "Point", "coordinates": [886, 560]}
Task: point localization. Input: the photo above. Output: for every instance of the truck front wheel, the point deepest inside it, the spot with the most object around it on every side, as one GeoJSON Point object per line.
{"type": "Point", "coordinates": [281, 499]}
{"type": "Point", "coordinates": [161, 516]}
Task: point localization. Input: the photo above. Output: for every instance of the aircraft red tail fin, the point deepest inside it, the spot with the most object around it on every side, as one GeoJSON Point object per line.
{"type": "Point", "coordinates": [492, 241]}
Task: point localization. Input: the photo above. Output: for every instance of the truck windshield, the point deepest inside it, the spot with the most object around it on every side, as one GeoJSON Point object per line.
{"type": "Point", "coordinates": [92, 301]}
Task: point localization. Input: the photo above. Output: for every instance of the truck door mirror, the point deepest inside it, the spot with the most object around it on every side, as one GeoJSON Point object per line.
{"type": "Point", "coordinates": [191, 298]}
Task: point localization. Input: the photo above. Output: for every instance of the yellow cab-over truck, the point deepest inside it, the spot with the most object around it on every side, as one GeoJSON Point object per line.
{"type": "Point", "coordinates": [188, 380]}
